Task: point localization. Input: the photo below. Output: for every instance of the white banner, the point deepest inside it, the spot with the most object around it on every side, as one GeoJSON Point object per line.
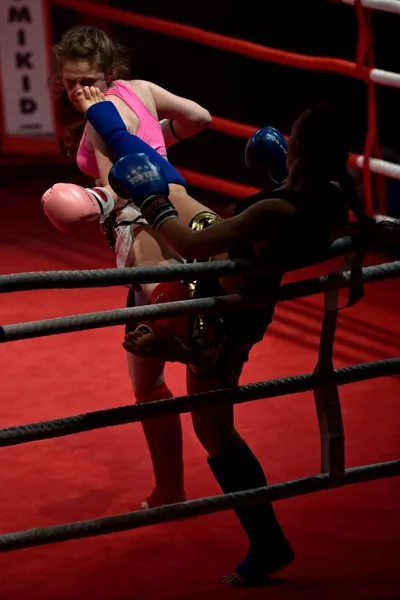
{"type": "Point", "coordinates": [27, 106]}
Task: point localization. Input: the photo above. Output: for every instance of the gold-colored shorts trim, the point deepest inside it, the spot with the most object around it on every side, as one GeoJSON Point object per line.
{"type": "Point", "coordinates": [203, 220]}
{"type": "Point", "coordinates": [198, 223]}
{"type": "Point", "coordinates": [203, 328]}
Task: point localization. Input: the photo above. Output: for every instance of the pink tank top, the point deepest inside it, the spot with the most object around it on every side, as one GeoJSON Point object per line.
{"type": "Point", "coordinates": [149, 129]}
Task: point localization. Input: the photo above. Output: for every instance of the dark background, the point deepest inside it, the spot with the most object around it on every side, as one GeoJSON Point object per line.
{"type": "Point", "coordinates": [252, 91]}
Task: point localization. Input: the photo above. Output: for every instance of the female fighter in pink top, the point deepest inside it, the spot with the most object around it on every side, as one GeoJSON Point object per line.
{"type": "Point", "coordinates": [87, 56]}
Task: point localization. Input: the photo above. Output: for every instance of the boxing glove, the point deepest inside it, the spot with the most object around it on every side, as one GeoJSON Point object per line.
{"type": "Point", "coordinates": [265, 154]}
{"type": "Point", "coordinates": [137, 177]}
{"type": "Point", "coordinates": [67, 204]}
{"type": "Point", "coordinates": [107, 121]}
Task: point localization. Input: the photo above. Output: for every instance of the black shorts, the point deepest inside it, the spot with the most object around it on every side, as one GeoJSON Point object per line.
{"type": "Point", "coordinates": [222, 343]}
{"type": "Point", "coordinates": [227, 339]}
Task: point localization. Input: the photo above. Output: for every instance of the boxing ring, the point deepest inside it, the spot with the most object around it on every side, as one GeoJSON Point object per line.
{"type": "Point", "coordinates": [324, 381]}
{"type": "Point", "coordinates": [363, 69]}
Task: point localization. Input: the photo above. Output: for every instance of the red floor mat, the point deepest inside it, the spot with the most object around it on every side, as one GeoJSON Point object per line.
{"type": "Point", "coordinates": [347, 541]}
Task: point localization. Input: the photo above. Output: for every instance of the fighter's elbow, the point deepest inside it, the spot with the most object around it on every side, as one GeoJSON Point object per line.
{"type": "Point", "coordinates": [198, 120]}
{"type": "Point", "coordinates": [204, 119]}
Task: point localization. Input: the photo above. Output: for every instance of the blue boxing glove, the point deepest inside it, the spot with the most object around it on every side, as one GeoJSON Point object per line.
{"type": "Point", "coordinates": [266, 153]}
{"type": "Point", "coordinates": [107, 121]}
{"type": "Point", "coordinates": [137, 177]}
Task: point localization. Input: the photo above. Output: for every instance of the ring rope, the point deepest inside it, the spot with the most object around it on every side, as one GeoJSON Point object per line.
{"type": "Point", "coordinates": [23, 282]}
{"type": "Point", "coordinates": [323, 381]}
{"type": "Point", "coordinates": [50, 280]}
{"type": "Point", "coordinates": [224, 42]}
{"type": "Point", "coordinates": [244, 131]}
{"type": "Point", "coordinates": [392, 6]}
{"type": "Point", "coordinates": [215, 40]}
{"type": "Point", "coordinates": [133, 413]}
{"type": "Point", "coordinates": [366, 58]}
{"type": "Point", "coordinates": [195, 508]}
{"type": "Point", "coordinates": [218, 185]}
{"type": "Point", "coordinates": [216, 305]}
{"type": "Point", "coordinates": [361, 69]}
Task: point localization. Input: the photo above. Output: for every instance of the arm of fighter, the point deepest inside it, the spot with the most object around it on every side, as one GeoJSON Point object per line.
{"type": "Point", "coordinates": [142, 180]}
{"type": "Point", "coordinates": [254, 224]}
{"type": "Point", "coordinates": [180, 118]}
{"type": "Point", "coordinates": [137, 177]}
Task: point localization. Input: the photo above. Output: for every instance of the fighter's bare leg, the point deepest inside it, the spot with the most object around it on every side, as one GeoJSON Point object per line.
{"type": "Point", "coordinates": [164, 338]}
{"type": "Point", "coordinates": [163, 434]}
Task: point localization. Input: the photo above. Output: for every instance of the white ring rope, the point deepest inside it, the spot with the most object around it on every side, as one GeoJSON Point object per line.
{"type": "Point", "coordinates": [380, 167]}
{"type": "Point", "coordinates": [385, 77]}
{"type": "Point", "coordinates": [392, 6]}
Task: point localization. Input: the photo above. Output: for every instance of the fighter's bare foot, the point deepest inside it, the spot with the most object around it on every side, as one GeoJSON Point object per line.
{"type": "Point", "coordinates": [257, 571]}
{"type": "Point", "coordinates": [88, 96]}
{"type": "Point", "coordinates": [162, 499]}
